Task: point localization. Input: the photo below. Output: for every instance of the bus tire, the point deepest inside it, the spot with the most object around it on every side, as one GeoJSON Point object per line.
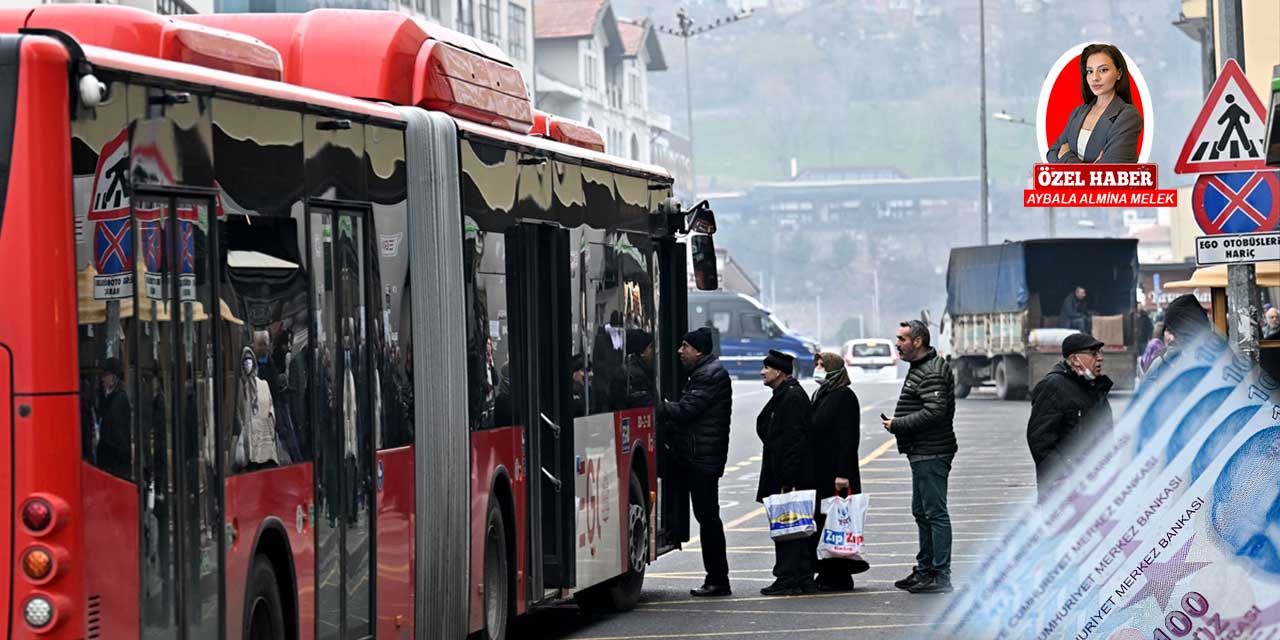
{"type": "Point", "coordinates": [497, 576]}
{"type": "Point", "coordinates": [623, 592]}
{"type": "Point", "coordinates": [264, 619]}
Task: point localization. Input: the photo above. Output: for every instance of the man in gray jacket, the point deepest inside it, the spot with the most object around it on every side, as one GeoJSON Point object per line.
{"type": "Point", "coordinates": [922, 424]}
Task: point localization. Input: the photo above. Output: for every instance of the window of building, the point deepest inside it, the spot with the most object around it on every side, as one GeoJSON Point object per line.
{"type": "Point", "coordinates": [517, 20]}
{"type": "Point", "coordinates": [591, 67]}
{"type": "Point", "coordinates": [466, 17]}
{"type": "Point", "coordinates": [613, 86]}
{"type": "Point", "coordinates": [634, 94]}
{"type": "Point", "coordinates": [490, 21]}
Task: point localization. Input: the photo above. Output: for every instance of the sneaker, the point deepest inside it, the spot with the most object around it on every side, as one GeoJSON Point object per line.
{"type": "Point", "coordinates": [932, 584]}
{"type": "Point", "coordinates": [910, 581]}
{"type": "Point", "coordinates": [780, 588]}
{"type": "Point", "coordinates": [711, 591]}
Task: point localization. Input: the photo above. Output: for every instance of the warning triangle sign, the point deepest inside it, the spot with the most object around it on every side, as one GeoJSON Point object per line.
{"type": "Point", "coordinates": [1228, 133]}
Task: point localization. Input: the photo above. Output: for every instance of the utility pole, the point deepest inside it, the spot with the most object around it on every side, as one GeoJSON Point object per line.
{"type": "Point", "coordinates": [984, 205]}
{"type": "Point", "coordinates": [1243, 301]}
{"type": "Point", "coordinates": [684, 30]}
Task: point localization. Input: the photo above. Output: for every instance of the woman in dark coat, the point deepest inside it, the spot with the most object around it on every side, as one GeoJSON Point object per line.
{"type": "Point", "coordinates": [833, 440]}
{"type": "Point", "coordinates": [786, 465]}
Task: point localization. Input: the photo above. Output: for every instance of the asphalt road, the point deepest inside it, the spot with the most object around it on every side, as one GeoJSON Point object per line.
{"type": "Point", "coordinates": [991, 479]}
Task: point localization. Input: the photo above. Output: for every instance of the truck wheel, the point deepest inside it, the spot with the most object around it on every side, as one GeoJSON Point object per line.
{"type": "Point", "coordinates": [497, 577]}
{"type": "Point", "coordinates": [961, 376]}
{"type": "Point", "coordinates": [1010, 380]}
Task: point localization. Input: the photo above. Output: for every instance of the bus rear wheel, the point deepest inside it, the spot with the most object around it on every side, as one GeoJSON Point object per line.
{"type": "Point", "coordinates": [265, 619]}
{"type": "Point", "coordinates": [497, 578]}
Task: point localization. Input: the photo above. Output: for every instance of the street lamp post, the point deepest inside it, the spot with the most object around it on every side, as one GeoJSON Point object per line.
{"type": "Point", "coordinates": [982, 116]}
{"type": "Point", "coordinates": [684, 30]}
{"type": "Point", "coordinates": [1004, 116]}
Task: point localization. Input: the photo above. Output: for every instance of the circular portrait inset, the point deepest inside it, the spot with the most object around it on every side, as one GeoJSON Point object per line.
{"type": "Point", "coordinates": [1094, 107]}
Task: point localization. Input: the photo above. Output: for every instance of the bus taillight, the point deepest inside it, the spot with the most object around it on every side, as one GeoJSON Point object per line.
{"type": "Point", "coordinates": [39, 612]}
{"type": "Point", "coordinates": [37, 516]}
{"type": "Point", "coordinates": [38, 564]}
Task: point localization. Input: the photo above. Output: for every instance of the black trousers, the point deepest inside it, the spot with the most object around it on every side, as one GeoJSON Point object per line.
{"type": "Point", "coordinates": [793, 561]}
{"type": "Point", "coordinates": [704, 493]}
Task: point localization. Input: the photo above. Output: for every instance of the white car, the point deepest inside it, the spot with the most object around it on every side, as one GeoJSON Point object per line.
{"type": "Point", "coordinates": [870, 354]}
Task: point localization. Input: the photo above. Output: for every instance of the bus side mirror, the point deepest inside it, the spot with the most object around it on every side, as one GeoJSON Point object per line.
{"type": "Point", "coordinates": [701, 219]}
{"type": "Point", "coordinates": [704, 263]}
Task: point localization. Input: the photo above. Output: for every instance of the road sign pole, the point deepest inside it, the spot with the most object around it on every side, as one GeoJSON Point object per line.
{"type": "Point", "coordinates": [1243, 300]}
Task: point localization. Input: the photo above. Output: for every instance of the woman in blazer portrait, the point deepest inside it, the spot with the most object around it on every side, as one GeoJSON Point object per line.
{"type": "Point", "coordinates": [1107, 126]}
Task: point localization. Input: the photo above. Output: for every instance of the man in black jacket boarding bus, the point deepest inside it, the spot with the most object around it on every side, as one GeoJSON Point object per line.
{"type": "Point", "coordinates": [699, 424]}
{"type": "Point", "coordinates": [922, 424]}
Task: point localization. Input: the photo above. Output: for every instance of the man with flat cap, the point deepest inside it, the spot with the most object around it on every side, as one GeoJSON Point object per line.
{"type": "Point", "coordinates": [698, 425]}
{"type": "Point", "coordinates": [1069, 412]}
{"type": "Point", "coordinates": [787, 464]}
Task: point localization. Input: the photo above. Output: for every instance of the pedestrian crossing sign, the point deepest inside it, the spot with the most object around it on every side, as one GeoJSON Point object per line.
{"type": "Point", "coordinates": [1228, 134]}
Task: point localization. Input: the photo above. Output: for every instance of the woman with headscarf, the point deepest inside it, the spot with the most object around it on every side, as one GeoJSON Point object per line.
{"type": "Point", "coordinates": [836, 423]}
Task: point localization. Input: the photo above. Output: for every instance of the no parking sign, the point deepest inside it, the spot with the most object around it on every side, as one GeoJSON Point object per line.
{"type": "Point", "coordinates": [1228, 203]}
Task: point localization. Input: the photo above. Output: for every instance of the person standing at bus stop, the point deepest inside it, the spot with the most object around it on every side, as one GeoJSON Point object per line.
{"type": "Point", "coordinates": [699, 423]}
{"type": "Point", "coordinates": [922, 424]}
{"type": "Point", "coordinates": [787, 465]}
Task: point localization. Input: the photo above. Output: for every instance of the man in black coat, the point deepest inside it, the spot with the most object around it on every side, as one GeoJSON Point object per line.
{"type": "Point", "coordinates": [699, 424]}
{"type": "Point", "coordinates": [922, 424]}
{"type": "Point", "coordinates": [1069, 411]}
{"type": "Point", "coordinates": [115, 427]}
{"type": "Point", "coordinates": [783, 427]}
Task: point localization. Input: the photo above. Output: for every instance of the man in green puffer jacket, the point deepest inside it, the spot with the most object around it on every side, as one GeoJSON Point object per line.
{"type": "Point", "coordinates": [922, 423]}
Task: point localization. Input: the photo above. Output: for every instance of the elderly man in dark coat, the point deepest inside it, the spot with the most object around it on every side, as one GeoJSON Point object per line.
{"type": "Point", "coordinates": [699, 433]}
{"type": "Point", "coordinates": [783, 427]}
{"type": "Point", "coordinates": [1069, 411]}
{"type": "Point", "coordinates": [833, 443]}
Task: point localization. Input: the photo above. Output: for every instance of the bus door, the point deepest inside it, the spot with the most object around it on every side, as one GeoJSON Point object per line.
{"type": "Point", "coordinates": [537, 253]}
{"type": "Point", "coordinates": [177, 433]}
{"type": "Point", "coordinates": [673, 316]}
{"type": "Point", "coordinates": [343, 443]}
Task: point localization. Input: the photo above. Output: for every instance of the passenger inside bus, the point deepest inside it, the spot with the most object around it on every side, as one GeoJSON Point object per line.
{"type": "Point", "coordinates": [255, 444]}
{"type": "Point", "coordinates": [112, 414]}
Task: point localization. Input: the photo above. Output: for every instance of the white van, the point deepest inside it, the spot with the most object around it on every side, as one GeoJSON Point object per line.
{"type": "Point", "coordinates": [871, 354]}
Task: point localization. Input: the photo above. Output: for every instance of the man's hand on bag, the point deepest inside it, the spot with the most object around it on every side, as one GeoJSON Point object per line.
{"type": "Point", "coordinates": [842, 483]}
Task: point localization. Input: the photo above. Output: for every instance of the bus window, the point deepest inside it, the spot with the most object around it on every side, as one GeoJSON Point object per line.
{"type": "Point", "coordinates": [387, 281]}
{"type": "Point", "coordinates": [265, 282]}
{"type": "Point", "coordinates": [488, 336]}
{"type": "Point", "coordinates": [608, 330]}
{"type": "Point", "coordinates": [638, 386]}
{"type": "Point", "coordinates": [105, 281]}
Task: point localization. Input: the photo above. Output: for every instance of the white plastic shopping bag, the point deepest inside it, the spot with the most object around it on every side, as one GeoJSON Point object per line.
{"type": "Point", "coordinates": [842, 534]}
{"type": "Point", "coordinates": [791, 514]}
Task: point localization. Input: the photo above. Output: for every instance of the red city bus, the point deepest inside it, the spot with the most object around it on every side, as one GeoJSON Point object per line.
{"type": "Point", "coordinates": [313, 339]}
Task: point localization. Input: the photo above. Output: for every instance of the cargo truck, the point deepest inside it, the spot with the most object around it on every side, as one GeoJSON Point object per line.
{"type": "Point", "coordinates": [1003, 305]}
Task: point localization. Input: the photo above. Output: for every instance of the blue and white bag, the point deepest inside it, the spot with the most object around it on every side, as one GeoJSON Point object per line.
{"type": "Point", "coordinates": [791, 514]}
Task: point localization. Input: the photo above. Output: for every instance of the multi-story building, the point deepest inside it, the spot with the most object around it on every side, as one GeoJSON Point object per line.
{"type": "Point", "coordinates": [593, 67]}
